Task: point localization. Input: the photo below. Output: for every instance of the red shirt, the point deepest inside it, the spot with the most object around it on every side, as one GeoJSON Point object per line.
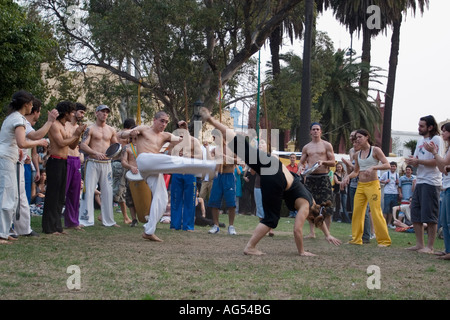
{"type": "Point", "coordinates": [291, 168]}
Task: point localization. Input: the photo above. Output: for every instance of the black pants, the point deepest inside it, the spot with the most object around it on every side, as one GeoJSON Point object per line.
{"type": "Point", "coordinates": [56, 170]}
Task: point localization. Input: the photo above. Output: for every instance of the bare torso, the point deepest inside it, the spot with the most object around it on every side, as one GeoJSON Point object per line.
{"type": "Point", "coordinates": [129, 158]}
{"type": "Point", "coordinates": [149, 141]}
{"type": "Point", "coordinates": [317, 151]}
{"type": "Point", "coordinates": [97, 139]}
{"type": "Point", "coordinates": [70, 128]}
{"type": "Point", "coordinates": [57, 133]}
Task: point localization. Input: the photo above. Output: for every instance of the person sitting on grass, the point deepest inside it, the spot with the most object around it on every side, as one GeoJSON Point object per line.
{"type": "Point", "coordinates": [277, 184]}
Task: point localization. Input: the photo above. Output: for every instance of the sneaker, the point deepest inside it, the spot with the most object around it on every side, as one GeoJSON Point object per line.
{"type": "Point", "coordinates": [214, 229]}
{"type": "Point", "coordinates": [134, 223]}
{"type": "Point", "coordinates": [231, 230]}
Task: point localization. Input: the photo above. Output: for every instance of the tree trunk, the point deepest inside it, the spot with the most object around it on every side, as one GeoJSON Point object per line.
{"type": "Point", "coordinates": [305, 104]}
{"type": "Point", "coordinates": [275, 43]}
{"type": "Point", "coordinates": [393, 61]}
{"type": "Point", "coordinates": [365, 58]}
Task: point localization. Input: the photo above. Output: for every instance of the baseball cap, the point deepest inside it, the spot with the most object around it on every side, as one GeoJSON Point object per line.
{"type": "Point", "coordinates": [102, 107]}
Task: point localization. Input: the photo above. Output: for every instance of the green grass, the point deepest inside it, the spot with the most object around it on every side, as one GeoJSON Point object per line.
{"type": "Point", "coordinates": [116, 263]}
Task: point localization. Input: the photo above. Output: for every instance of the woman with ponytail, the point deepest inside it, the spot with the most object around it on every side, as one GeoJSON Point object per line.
{"type": "Point", "coordinates": [367, 163]}
{"type": "Point", "coordinates": [13, 138]}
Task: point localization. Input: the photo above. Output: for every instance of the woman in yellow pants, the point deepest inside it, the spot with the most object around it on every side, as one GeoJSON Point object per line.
{"type": "Point", "coordinates": [367, 162]}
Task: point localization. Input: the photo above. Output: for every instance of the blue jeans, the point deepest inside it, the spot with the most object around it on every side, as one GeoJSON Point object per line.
{"type": "Point", "coordinates": [258, 201]}
{"type": "Point", "coordinates": [182, 201]}
{"type": "Point", "coordinates": [445, 218]}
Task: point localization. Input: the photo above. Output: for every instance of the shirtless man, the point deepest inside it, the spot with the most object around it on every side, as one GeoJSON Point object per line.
{"type": "Point", "coordinates": [60, 141]}
{"type": "Point", "coordinates": [96, 140]}
{"type": "Point", "coordinates": [318, 183]}
{"type": "Point", "coordinates": [152, 164]}
{"type": "Point", "coordinates": [73, 183]}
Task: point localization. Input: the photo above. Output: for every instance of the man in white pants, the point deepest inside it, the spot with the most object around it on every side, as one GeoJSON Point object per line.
{"type": "Point", "coordinates": [152, 164]}
{"type": "Point", "coordinates": [96, 140]}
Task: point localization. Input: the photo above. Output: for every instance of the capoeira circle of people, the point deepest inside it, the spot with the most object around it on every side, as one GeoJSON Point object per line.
{"type": "Point", "coordinates": [277, 183]}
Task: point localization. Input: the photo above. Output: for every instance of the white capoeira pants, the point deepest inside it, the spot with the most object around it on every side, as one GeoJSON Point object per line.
{"type": "Point", "coordinates": [8, 195]}
{"type": "Point", "coordinates": [152, 167]}
{"type": "Point", "coordinates": [100, 172]}
{"type": "Point", "coordinates": [22, 226]}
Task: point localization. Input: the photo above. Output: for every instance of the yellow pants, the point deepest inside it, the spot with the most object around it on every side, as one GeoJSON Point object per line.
{"type": "Point", "coordinates": [369, 192]}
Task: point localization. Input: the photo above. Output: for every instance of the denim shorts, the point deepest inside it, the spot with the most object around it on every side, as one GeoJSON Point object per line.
{"type": "Point", "coordinates": [390, 200]}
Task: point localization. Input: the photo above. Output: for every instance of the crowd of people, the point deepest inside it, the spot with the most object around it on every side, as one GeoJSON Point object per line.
{"type": "Point", "coordinates": [232, 176]}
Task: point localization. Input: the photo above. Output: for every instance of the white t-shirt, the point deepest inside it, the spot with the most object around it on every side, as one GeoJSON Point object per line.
{"type": "Point", "coordinates": [8, 143]}
{"type": "Point", "coordinates": [391, 187]}
{"type": "Point", "coordinates": [427, 174]}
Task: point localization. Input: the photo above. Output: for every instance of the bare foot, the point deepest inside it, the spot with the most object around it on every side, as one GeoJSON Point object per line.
{"type": "Point", "coordinates": [383, 245]}
{"type": "Point", "coordinates": [426, 250]}
{"type": "Point", "coordinates": [307, 254]}
{"type": "Point", "coordinates": [77, 228]}
{"type": "Point", "coordinates": [415, 248]}
{"type": "Point", "coordinates": [253, 252]}
{"type": "Point", "coordinates": [310, 236]}
{"type": "Point", "coordinates": [3, 241]}
{"type": "Point", "coordinates": [115, 225]}
{"type": "Point", "coordinates": [56, 233]}
{"type": "Point", "coordinates": [445, 257]}
{"type": "Point", "coordinates": [151, 237]}
{"type": "Point", "coordinates": [127, 220]}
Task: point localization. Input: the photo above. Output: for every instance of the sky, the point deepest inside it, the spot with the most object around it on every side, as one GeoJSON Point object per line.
{"type": "Point", "coordinates": [423, 72]}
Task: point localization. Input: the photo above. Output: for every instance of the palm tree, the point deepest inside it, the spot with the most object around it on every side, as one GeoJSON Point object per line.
{"type": "Point", "coordinates": [305, 103]}
{"type": "Point", "coordinates": [395, 15]}
{"type": "Point", "coordinates": [353, 14]}
{"type": "Point", "coordinates": [293, 26]}
{"type": "Point", "coordinates": [342, 105]}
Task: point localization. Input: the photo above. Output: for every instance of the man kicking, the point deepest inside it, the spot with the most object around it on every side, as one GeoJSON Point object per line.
{"type": "Point", "coordinates": [152, 164]}
{"type": "Point", "coordinates": [277, 184]}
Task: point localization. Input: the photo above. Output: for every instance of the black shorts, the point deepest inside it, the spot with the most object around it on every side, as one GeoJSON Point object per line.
{"type": "Point", "coordinates": [425, 204]}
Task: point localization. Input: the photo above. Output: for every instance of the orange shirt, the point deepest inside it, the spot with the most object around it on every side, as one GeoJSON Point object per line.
{"type": "Point", "coordinates": [291, 168]}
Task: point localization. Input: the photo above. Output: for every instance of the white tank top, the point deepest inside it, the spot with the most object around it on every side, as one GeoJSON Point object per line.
{"type": "Point", "coordinates": [368, 162]}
